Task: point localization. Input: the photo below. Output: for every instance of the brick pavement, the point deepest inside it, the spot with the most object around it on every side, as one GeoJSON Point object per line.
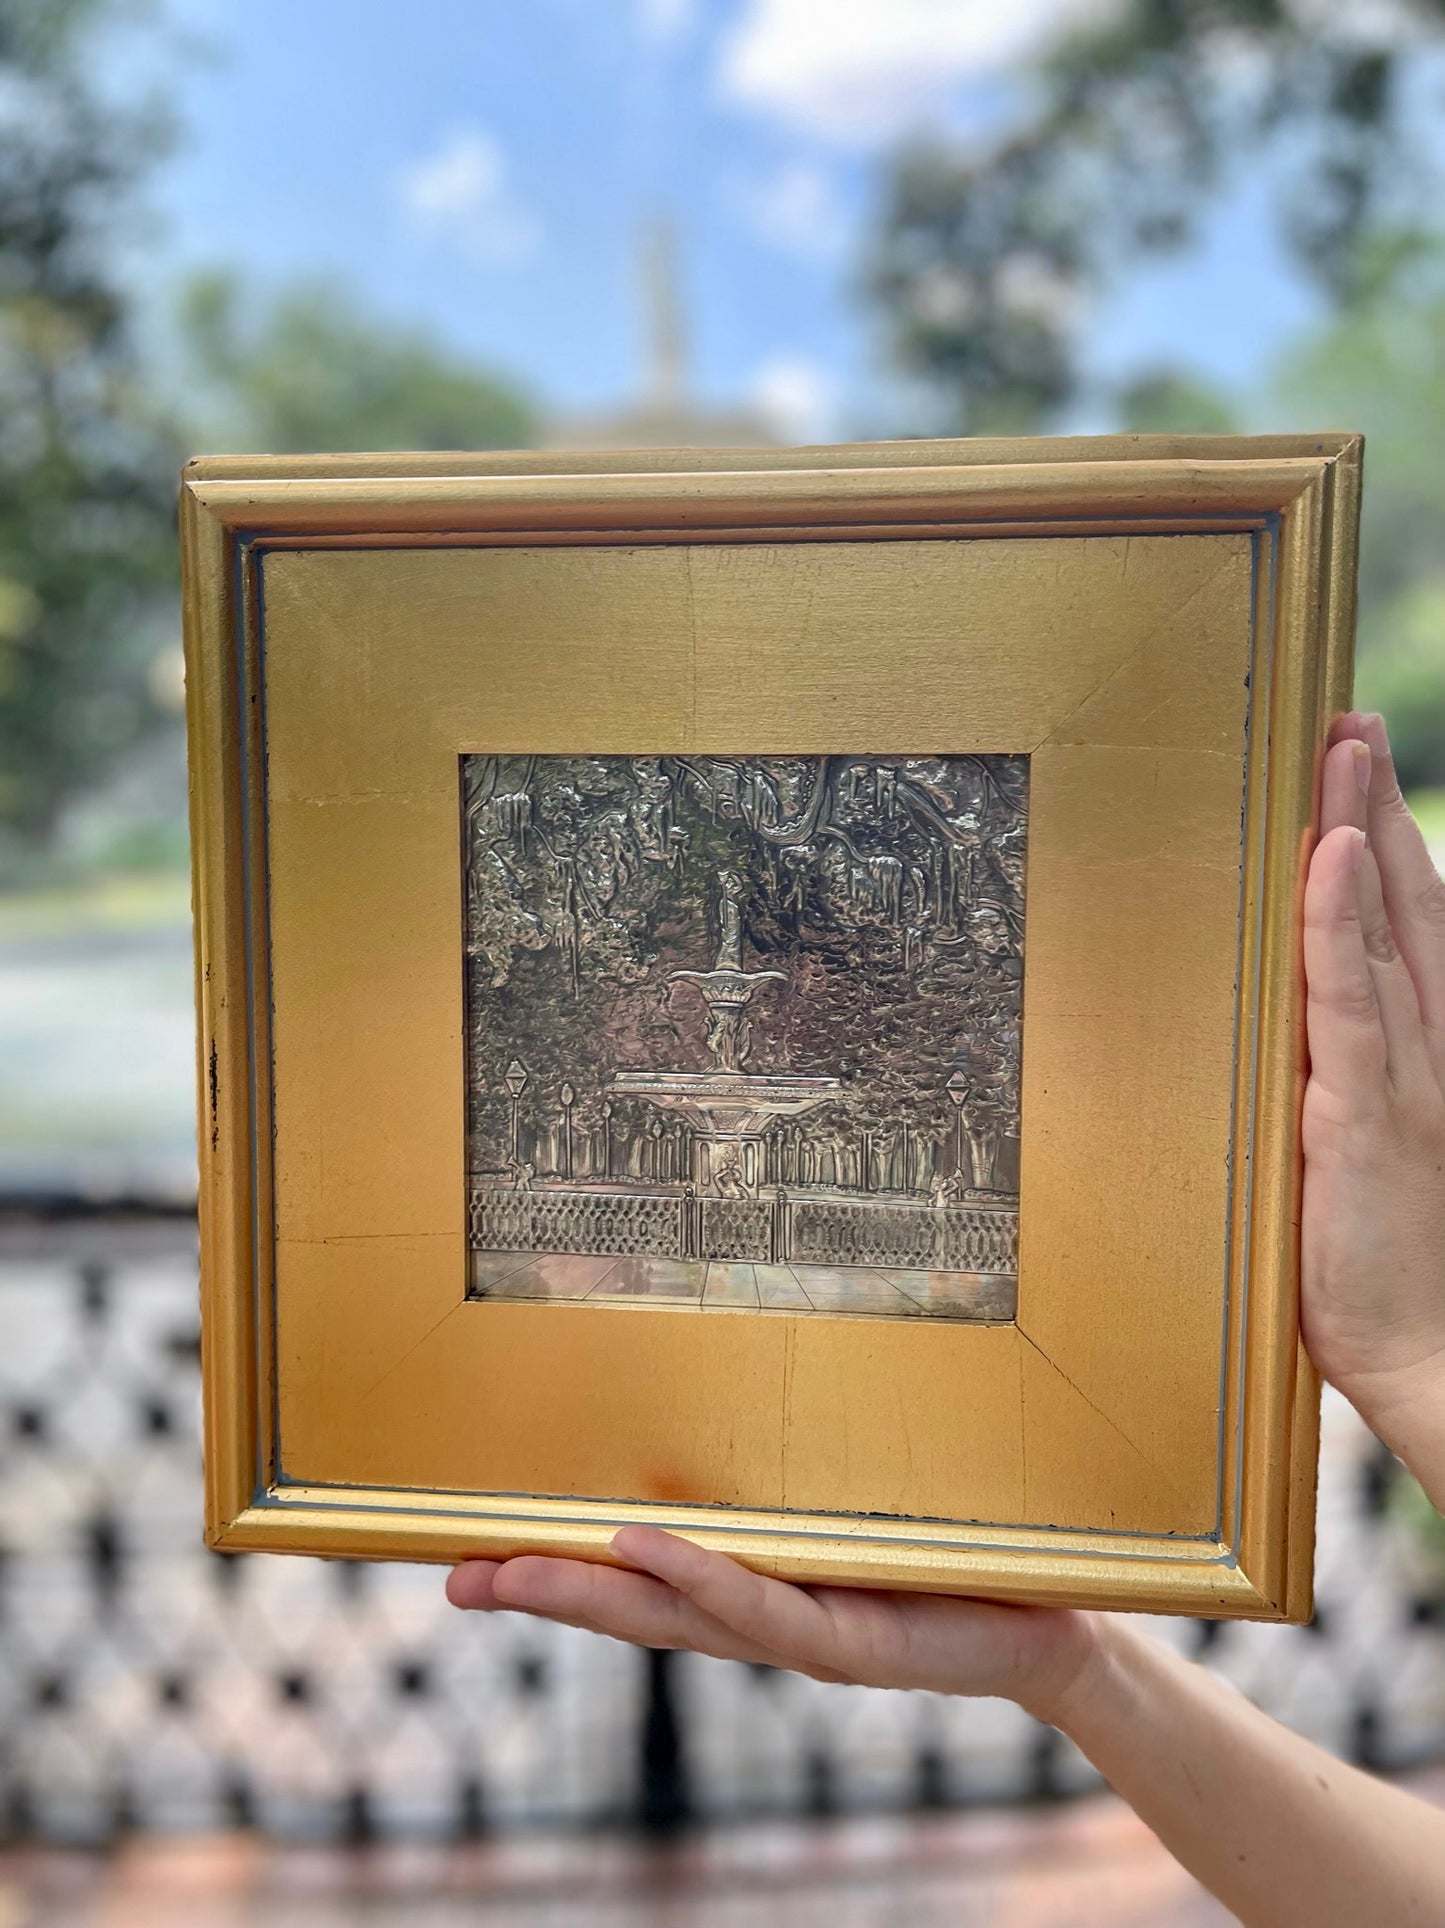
{"type": "Point", "coordinates": [1086, 1865]}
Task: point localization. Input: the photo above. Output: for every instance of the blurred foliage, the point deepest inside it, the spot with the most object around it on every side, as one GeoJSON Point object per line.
{"type": "Point", "coordinates": [1117, 142]}
{"type": "Point", "coordinates": [86, 468]}
{"type": "Point", "coordinates": [90, 451]}
{"type": "Point", "coordinates": [1126, 131]}
{"type": "Point", "coordinates": [1168, 401]}
{"type": "Point", "coordinates": [1401, 672]}
{"type": "Point", "coordinates": [1410, 1505]}
{"type": "Point", "coordinates": [308, 370]}
{"type": "Point", "coordinates": [1380, 366]}
{"type": "Point", "coordinates": [1428, 809]}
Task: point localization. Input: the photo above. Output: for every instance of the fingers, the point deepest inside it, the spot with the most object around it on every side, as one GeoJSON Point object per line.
{"type": "Point", "coordinates": [1413, 893]}
{"type": "Point", "coordinates": [879, 1639]}
{"type": "Point", "coordinates": [1406, 1059]}
{"type": "Point", "coordinates": [628, 1605]}
{"type": "Point", "coordinates": [576, 1593]}
{"type": "Point", "coordinates": [1363, 1015]}
{"type": "Point", "coordinates": [676, 1594]}
{"type": "Point", "coordinates": [1345, 785]}
{"type": "Point", "coordinates": [470, 1584]}
{"type": "Point", "coordinates": [782, 1618]}
{"type": "Point", "coordinates": [1346, 1031]}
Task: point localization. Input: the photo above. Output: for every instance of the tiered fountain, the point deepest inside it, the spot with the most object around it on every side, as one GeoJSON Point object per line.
{"type": "Point", "coordinates": [729, 1109]}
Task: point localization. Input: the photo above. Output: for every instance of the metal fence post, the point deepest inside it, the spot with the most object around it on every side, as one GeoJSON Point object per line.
{"type": "Point", "coordinates": [689, 1210]}
{"type": "Point", "coordinates": [665, 1805]}
{"type": "Point", "coordinates": [780, 1241]}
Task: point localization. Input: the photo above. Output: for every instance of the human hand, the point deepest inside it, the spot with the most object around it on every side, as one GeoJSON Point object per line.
{"type": "Point", "coordinates": [1373, 1258]}
{"type": "Point", "coordinates": [680, 1595]}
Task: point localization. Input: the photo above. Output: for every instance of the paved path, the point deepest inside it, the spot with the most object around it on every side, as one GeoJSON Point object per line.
{"type": "Point", "coordinates": [714, 1286]}
{"type": "Point", "coordinates": [1087, 1866]}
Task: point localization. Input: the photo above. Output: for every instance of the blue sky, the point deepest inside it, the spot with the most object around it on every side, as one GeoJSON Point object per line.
{"type": "Point", "coordinates": [486, 166]}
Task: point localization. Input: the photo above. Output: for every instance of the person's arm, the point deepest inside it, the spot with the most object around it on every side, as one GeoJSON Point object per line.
{"type": "Point", "coordinates": [1281, 1832]}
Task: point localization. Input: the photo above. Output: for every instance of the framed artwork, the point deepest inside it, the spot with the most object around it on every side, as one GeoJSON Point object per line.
{"type": "Point", "coordinates": [759, 991]}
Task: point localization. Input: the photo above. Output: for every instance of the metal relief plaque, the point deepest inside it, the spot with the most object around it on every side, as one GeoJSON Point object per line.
{"type": "Point", "coordinates": [744, 1032]}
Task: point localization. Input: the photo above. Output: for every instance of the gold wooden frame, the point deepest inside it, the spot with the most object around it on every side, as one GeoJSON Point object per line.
{"type": "Point", "coordinates": [1163, 624]}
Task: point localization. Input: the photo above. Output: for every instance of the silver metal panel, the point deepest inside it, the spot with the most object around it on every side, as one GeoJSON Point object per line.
{"type": "Point", "coordinates": [727, 1013]}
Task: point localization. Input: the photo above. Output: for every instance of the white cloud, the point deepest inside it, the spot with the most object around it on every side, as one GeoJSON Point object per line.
{"type": "Point", "coordinates": [461, 193]}
{"type": "Point", "coordinates": [795, 210]}
{"type": "Point", "coordinates": [857, 72]}
{"type": "Point", "coordinates": [795, 397]}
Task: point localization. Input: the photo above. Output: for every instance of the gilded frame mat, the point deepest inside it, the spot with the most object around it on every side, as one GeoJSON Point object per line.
{"type": "Point", "coordinates": [1158, 628]}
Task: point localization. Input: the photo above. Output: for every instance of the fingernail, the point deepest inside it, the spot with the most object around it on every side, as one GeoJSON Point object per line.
{"type": "Point", "coordinates": [1372, 729]}
{"type": "Point", "coordinates": [1357, 854]}
{"type": "Point", "coordinates": [1363, 762]}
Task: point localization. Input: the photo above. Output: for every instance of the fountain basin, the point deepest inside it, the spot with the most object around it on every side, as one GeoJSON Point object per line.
{"type": "Point", "coordinates": [729, 1112]}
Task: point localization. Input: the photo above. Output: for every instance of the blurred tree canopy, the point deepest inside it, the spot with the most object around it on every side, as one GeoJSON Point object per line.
{"type": "Point", "coordinates": [1127, 130]}
{"type": "Point", "coordinates": [1380, 366]}
{"type": "Point", "coordinates": [1124, 133]}
{"type": "Point", "coordinates": [91, 441]}
{"type": "Point", "coordinates": [86, 468]}
{"type": "Point", "coordinates": [309, 370]}
{"type": "Point", "coordinates": [1168, 401]}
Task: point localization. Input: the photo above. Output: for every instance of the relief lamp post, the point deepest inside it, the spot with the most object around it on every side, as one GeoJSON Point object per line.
{"type": "Point", "coordinates": [957, 1089]}
{"type": "Point", "coordinates": [515, 1079]}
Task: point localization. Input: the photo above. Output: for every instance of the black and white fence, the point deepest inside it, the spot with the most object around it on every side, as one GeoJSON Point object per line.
{"type": "Point", "coordinates": [146, 1683]}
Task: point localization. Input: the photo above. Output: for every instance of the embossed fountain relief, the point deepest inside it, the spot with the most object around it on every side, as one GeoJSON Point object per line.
{"type": "Point", "coordinates": [729, 1111]}
{"type": "Point", "coordinates": [744, 1032]}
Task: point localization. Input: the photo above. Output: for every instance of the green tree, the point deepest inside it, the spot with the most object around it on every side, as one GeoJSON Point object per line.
{"type": "Point", "coordinates": [89, 453]}
{"type": "Point", "coordinates": [985, 256]}
{"type": "Point", "coordinates": [86, 469]}
{"type": "Point", "coordinates": [310, 370]}
{"type": "Point", "coordinates": [1381, 367]}
{"type": "Point", "coordinates": [1168, 401]}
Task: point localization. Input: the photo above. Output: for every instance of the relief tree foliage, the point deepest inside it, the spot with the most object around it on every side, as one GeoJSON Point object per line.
{"type": "Point", "coordinates": [888, 892]}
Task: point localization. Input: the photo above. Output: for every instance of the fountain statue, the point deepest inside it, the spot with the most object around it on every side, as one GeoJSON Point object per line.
{"type": "Point", "coordinates": [727, 988]}
{"type": "Point", "coordinates": [729, 1109]}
